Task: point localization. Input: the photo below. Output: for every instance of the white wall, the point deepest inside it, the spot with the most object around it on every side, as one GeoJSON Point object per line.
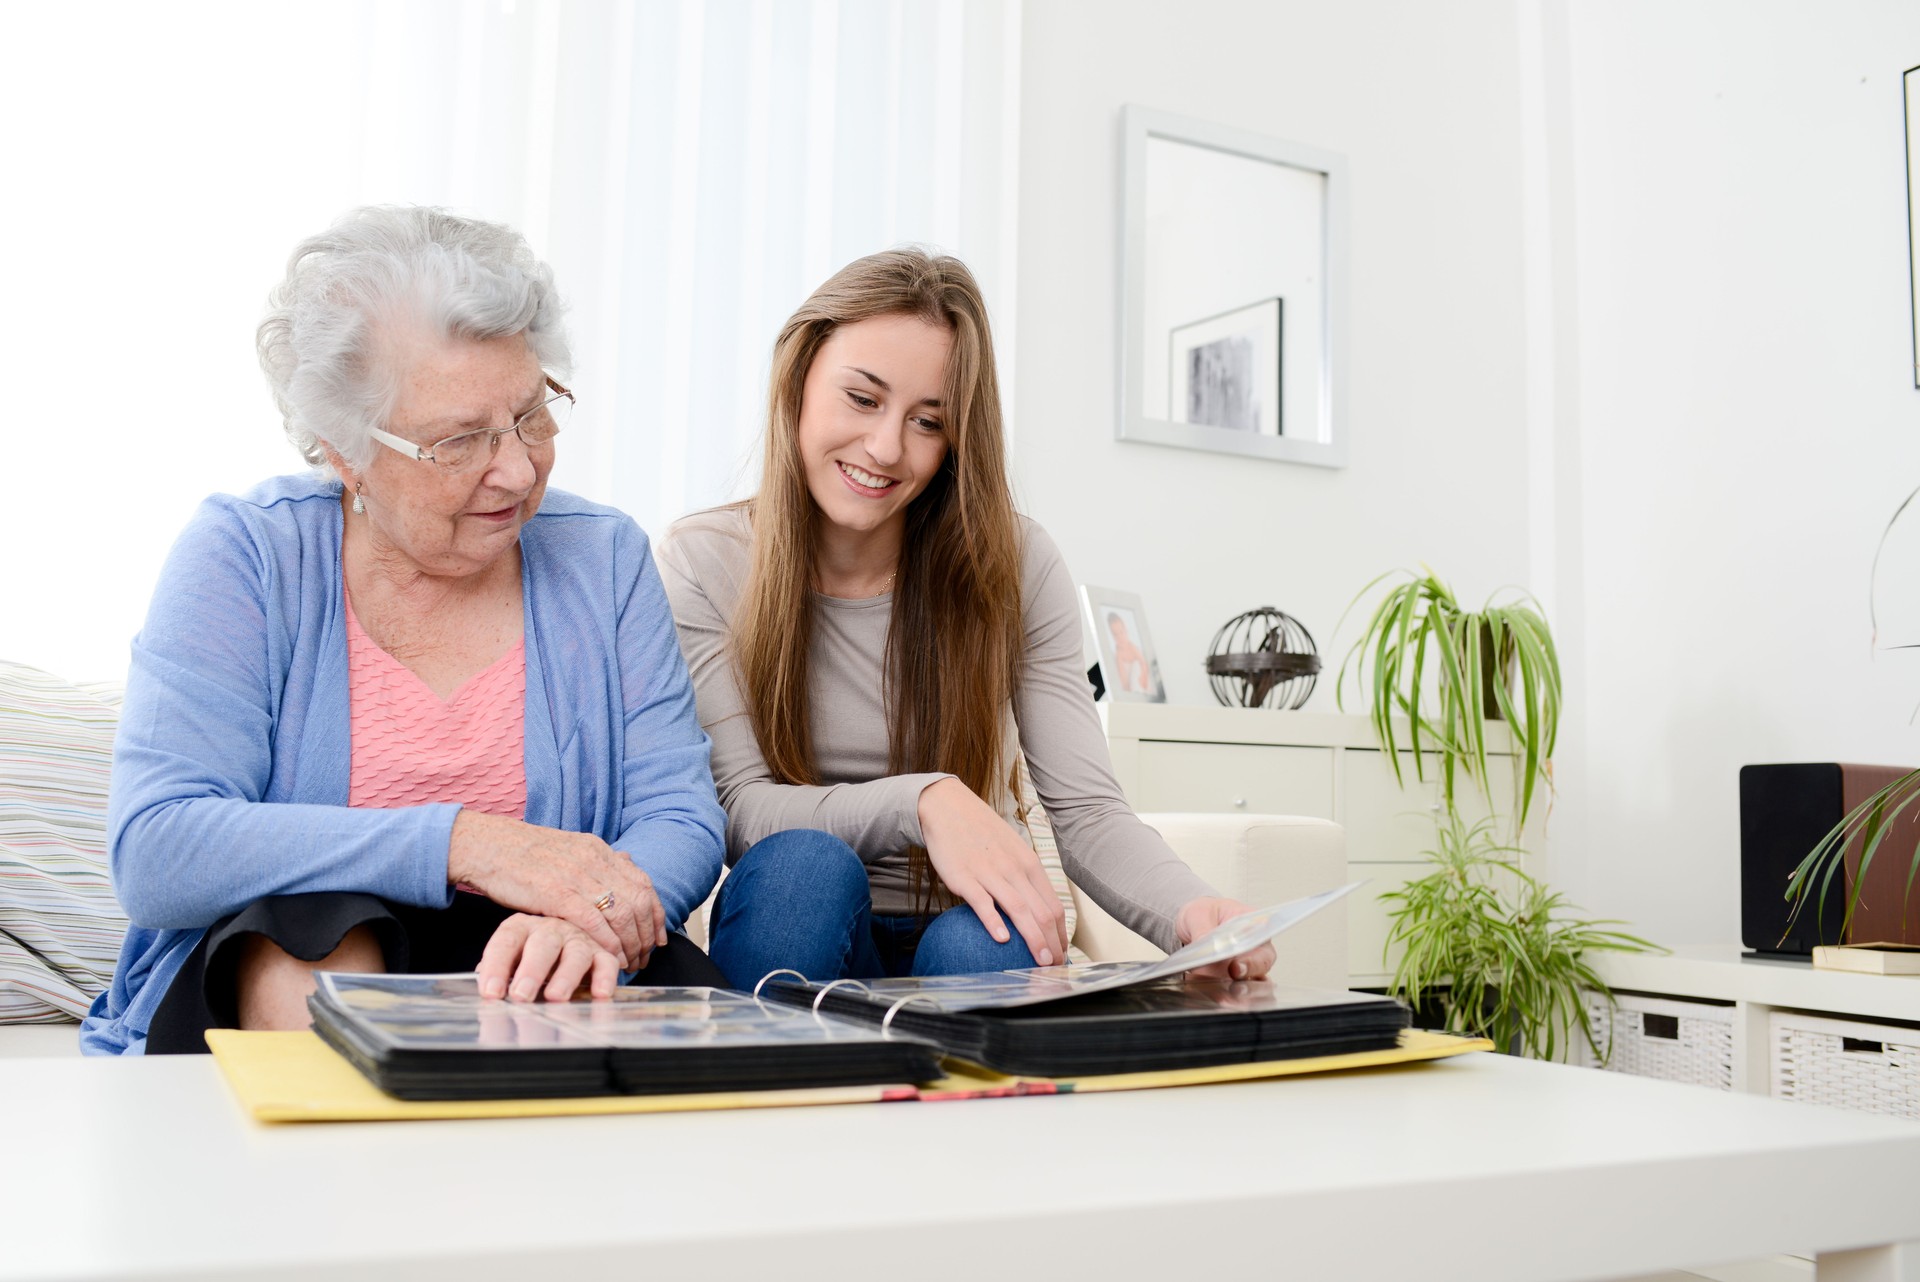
{"type": "Point", "coordinates": [1424, 101]}
{"type": "Point", "coordinates": [1630, 325]}
{"type": "Point", "coordinates": [1745, 420]}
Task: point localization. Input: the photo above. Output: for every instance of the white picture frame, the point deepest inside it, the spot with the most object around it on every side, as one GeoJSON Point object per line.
{"type": "Point", "coordinates": [1212, 216]}
{"type": "Point", "coordinates": [1129, 665]}
{"type": "Point", "coordinates": [1224, 371]}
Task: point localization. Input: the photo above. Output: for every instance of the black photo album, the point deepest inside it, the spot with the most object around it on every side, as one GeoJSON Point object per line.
{"type": "Point", "coordinates": [435, 1037]}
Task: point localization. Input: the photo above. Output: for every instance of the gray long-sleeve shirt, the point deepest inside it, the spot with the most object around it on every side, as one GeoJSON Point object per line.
{"type": "Point", "coordinates": [1119, 861]}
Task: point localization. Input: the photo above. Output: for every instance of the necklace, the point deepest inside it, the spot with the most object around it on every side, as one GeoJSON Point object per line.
{"type": "Point", "coordinates": [886, 586]}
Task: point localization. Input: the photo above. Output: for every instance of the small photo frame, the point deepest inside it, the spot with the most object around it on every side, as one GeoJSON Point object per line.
{"type": "Point", "coordinates": [1128, 664]}
{"type": "Point", "coordinates": [1224, 371]}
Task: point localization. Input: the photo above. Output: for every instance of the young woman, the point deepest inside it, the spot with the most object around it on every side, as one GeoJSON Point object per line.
{"type": "Point", "coordinates": [882, 649]}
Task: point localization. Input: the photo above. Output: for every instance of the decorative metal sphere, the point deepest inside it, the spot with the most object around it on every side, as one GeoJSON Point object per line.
{"type": "Point", "coordinates": [1263, 659]}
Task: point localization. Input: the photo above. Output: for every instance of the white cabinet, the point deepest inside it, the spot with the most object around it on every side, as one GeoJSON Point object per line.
{"type": "Point", "coordinates": [1257, 779]}
{"type": "Point", "coordinates": [1761, 991]}
{"type": "Point", "coordinates": [1172, 758]}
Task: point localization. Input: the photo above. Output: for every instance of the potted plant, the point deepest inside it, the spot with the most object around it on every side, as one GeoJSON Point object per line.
{"type": "Point", "coordinates": [1492, 950]}
{"type": "Point", "coordinates": [1866, 827]}
{"type": "Point", "coordinates": [1489, 948]}
{"type": "Point", "coordinates": [1447, 671]}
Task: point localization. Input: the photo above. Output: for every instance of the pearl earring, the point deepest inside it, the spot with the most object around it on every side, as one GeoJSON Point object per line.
{"type": "Point", "coordinates": [359, 505]}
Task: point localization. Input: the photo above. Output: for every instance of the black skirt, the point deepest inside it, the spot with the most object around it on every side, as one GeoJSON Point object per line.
{"type": "Point", "coordinates": [414, 941]}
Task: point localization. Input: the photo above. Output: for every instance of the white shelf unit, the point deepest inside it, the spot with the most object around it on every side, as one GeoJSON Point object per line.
{"type": "Point", "coordinates": [1757, 987]}
{"type": "Point", "coordinates": [1171, 757]}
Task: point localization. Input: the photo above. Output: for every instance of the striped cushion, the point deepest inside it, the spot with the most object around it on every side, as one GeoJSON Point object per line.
{"type": "Point", "coordinates": [1033, 817]}
{"type": "Point", "coordinates": [60, 925]}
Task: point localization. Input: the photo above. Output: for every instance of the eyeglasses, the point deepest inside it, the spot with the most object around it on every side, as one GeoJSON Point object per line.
{"type": "Point", "coordinates": [469, 449]}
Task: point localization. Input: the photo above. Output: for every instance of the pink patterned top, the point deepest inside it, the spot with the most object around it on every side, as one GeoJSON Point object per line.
{"type": "Point", "coordinates": [409, 748]}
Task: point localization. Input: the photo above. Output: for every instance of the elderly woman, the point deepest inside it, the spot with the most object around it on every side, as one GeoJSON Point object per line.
{"type": "Point", "coordinates": [418, 712]}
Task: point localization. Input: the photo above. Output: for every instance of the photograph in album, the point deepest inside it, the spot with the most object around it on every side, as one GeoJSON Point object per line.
{"type": "Point", "coordinates": [436, 1037]}
{"type": "Point", "coordinates": [1158, 1025]}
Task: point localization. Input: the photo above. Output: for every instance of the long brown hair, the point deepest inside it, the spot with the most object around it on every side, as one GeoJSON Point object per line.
{"type": "Point", "coordinates": [954, 642]}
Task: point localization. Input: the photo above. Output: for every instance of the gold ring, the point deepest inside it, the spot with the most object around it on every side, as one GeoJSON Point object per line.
{"type": "Point", "coordinates": [605, 901]}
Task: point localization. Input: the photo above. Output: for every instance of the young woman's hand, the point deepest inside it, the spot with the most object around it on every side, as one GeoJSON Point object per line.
{"type": "Point", "coordinates": [1203, 914]}
{"type": "Point", "coordinates": [550, 873]}
{"type": "Point", "coordinates": [532, 957]}
{"type": "Point", "coordinates": [981, 859]}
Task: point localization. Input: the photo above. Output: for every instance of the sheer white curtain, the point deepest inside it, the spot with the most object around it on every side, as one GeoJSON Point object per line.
{"type": "Point", "coordinates": [713, 163]}
{"type": "Point", "coordinates": [691, 170]}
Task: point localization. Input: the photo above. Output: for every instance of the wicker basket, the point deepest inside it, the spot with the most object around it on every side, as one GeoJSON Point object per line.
{"type": "Point", "coordinates": [1676, 1041]}
{"type": "Point", "coordinates": [1871, 1068]}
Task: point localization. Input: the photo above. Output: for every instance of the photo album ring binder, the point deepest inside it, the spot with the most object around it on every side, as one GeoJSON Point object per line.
{"type": "Point", "coordinates": [428, 1037]}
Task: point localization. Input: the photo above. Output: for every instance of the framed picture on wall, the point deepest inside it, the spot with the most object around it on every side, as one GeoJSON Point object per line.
{"type": "Point", "coordinates": [1128, 664]}
{"type": "Point", "coordinates": [1911, 82]}
{"type": "Point", "coordinates": [1224, 371]}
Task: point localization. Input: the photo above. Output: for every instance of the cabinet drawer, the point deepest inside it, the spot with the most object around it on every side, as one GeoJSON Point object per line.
{"type": "Point", "coordinates": [1215, 778]}
{"type": "Point", "coordinates": [1388, 822]}
{"type": "Point", "coordinates": [1367, 919]}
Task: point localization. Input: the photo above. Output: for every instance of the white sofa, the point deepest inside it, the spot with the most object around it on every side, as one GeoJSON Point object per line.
{"type": "Point", "coordinates": [55, 744]}
{"type": "Point", "coordinates": [1261, 859]}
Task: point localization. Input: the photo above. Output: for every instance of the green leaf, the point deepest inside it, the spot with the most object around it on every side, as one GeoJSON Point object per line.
{"type": "Point", "coordinates": [1497, 948]}
{"type": "Point", "coordinates": [1869, 823]}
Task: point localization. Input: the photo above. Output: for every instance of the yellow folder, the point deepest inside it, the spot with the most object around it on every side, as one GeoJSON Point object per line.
{"type": "Point", "coordinates": [296, 1077]}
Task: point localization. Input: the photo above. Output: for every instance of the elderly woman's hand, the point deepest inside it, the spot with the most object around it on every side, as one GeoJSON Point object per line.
{"type": "Point", "coordinates": [531, 957]}
{"type": "Point", "coordinates": [567, 875]}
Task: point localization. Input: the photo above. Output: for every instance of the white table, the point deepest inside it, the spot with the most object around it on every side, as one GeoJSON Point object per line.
{"type": "Point", "coordinates": [1480, 1167]}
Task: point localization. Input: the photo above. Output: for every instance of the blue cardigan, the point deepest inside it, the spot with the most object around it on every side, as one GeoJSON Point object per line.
{"type": "Point", "coordinates": [231, 767]}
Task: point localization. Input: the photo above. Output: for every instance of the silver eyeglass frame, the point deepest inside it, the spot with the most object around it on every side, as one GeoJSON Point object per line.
{"type": "Point", "coordinates": [425, 453]}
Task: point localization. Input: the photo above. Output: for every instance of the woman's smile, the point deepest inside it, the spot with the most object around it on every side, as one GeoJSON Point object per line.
{"type": "Point", "coordinates": [861, 481]}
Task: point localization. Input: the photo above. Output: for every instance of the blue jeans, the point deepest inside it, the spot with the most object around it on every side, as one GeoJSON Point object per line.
{"type": "Point", "coordinates": [799, 901]}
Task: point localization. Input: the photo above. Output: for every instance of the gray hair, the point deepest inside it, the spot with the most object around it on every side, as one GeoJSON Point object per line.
{"type": "Point", "coordinates": [383, 266]}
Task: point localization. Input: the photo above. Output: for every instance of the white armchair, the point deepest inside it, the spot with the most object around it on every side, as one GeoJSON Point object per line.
{"type": "Point", "coordinates": [1259, 860]}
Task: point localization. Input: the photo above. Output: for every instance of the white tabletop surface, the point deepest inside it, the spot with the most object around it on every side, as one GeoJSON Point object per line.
{"type": "Point", "coordinates": [1482, 1166]}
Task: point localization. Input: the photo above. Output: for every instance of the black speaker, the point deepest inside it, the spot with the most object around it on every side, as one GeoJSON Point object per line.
{"type": "Point", "coordinates": [1784, 812]}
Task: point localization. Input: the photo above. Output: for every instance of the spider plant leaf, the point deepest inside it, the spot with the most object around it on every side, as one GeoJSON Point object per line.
{"type": "Point", "coordinates": [1539, 680]}
{"type": "Point", "coordinates": [1879, 824]}
{"type": "Point", "coordinates": [1397, 616]}
{"type": "Point", "coordinates": [1449, 657]}
{"type": "Point", "coordinates": [1415, 687]}
{"type": "Point", "coordinates": [1873, 574]}
{"type": "Point", "coordinates": [1360, 596]}
{"type": "Point", "coordinates": [1906, 894]}
{"type": "Point", "coordinates": [1530, 734]}
{"type": "Point", "coordinates": [1833, 867]}
{"type": "Point", "coordinates": [1516, 714]}
{"type": "Point", "coordinates": [1831, 846]}
{"type": "Point", "coordinates": [1816, 862]}
{"type": "Point", "coordinates": [1357, 655]}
